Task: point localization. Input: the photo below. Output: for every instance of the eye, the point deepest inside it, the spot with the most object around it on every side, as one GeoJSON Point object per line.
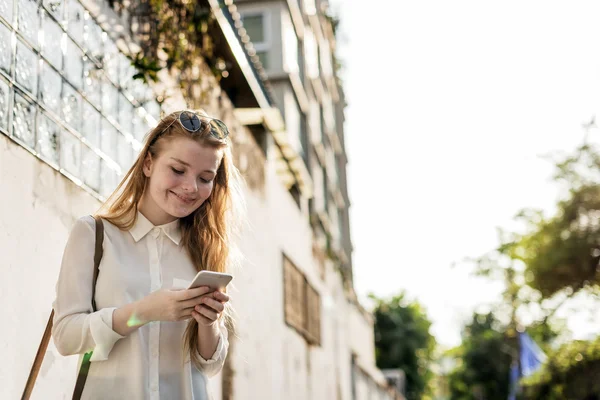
{"type": "Point", "coordinates": [178, 172]}
{"type": "Point", "coordinates": [206, 180]}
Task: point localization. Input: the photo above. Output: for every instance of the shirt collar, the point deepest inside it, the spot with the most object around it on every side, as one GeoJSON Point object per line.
{"type": "Point", "coordinates": [142, 226]}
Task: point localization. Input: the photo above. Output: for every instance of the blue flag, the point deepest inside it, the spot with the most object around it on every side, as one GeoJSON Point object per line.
{"type": "Point", "coordinates": [532, 357]}
{"type": "Point", "coordinates": [514, 381]}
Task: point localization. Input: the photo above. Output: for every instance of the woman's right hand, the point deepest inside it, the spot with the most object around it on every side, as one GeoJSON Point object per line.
{"type": "Point", "coordinates": [172, 304]}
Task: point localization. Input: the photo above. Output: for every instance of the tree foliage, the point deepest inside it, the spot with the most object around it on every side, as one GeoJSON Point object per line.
{"type": "Point", "coordinates": [559, 254]}
{"type": "Point", "coordinates": [402, 340]}
{"type": "Point", "coordinates": [571, 372]}
{"type": "Point", "coordinates": [562, 252]}
{"type": "Point", "coordinates": [483, 361]}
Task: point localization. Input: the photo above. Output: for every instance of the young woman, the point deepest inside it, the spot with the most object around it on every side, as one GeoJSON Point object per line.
{"type": "Point", "coordinates": [170, 217]}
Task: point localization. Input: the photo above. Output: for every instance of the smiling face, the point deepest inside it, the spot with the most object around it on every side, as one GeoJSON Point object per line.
{"type": "Point", "coordinates": [180, 178]}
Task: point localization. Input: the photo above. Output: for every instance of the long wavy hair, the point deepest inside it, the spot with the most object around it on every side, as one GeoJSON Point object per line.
{"type": "Point", "coordinates": [208, 234]}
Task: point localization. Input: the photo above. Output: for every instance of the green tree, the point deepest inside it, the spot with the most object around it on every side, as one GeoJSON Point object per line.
{"type": "Point", "coordinates": [402, 340]}
{"type": "Point", "coordinates": [571, 372]}
{"type": "Point", "coordinates": [562, 252]}
{"type": "Point", "coordinates": [555, 256]}
{"type": "Point", "coordinates": [482, 361]}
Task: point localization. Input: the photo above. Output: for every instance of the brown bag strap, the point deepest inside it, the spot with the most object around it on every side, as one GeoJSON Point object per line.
{"type": "Point", "coordinates": [85, 364]}
{"type": "Point", "coordinates": [39, 357]}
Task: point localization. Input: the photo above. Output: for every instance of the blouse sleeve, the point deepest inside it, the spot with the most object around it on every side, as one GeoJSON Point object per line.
{"type": "Point", "coordinates": [213, 365]}
{"type": "Point", "coordinates": [76, 328]}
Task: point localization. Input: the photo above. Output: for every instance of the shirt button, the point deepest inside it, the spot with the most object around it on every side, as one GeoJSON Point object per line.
{"type": "Point", "coordinates": [155, 232]}
{"type": "Point", "coordinates": [154, 387]}
{"type": "Point", "coordinates": [154, 352]}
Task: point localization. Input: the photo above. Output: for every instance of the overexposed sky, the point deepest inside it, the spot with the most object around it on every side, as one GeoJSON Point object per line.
{"type": "Point", "coordinates": [451, 106]}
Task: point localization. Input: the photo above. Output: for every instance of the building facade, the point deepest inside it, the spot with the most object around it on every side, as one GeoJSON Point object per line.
{"type": "Point", "coordinates": [72, 121]}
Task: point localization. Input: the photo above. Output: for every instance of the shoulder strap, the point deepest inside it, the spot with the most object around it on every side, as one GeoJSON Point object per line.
{"type": "Point", "coordinates": [39, 357]}
{"type": "Point", "coordinates": [98, 251]}
{"type": "Point", "coordinates": [85, 362]}
{"type": "Point", "coordinates": [41, 352]}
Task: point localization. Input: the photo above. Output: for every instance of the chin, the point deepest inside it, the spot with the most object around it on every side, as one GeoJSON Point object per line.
{"type": "Point", "coordinates": [180, 213]}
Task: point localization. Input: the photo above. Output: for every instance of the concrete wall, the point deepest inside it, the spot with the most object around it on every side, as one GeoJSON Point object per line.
{"type": "Point", "coordinates": [362, 339]}
{"type": "Point", "coordinates": [39, 206]}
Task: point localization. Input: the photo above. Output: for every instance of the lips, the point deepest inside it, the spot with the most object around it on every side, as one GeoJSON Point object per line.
{"type": "Point", "coordinates": [184, 199]}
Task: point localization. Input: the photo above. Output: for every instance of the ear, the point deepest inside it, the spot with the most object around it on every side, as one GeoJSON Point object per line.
{"type": "Point", "coordinates": [148, 163]}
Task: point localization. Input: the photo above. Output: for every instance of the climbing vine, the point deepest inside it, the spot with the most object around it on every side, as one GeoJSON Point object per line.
{"type": "Point", "coordinates": [174, 35]}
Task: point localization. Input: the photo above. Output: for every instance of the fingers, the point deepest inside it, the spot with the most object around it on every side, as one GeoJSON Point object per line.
{"type": "Point", "coordinates": [201, 319]}
{"type": "Point", "coordinates": [192, 302]}
{"type": "Point", "coordinates": [206, 312]}
{"type": "Point", "coordinates": [202, 304]}
{"type": "Point", "coordinates": [216, 295]}
{"type": "Point", "coordinates": [212, 303]}
{"type": "Point", "coordinates": [188, 294]}
{"type": "Point", "coordinates": [220, 296]}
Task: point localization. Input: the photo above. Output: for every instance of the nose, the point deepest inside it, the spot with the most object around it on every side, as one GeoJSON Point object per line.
{"type": "Point", "coordinates": [190, 185]}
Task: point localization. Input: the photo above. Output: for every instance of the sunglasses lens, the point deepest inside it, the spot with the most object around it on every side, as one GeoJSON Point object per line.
{"type": "Point", "coordinates": [190, 121]}
{"type": "Point", "coordinates": [218, 129]}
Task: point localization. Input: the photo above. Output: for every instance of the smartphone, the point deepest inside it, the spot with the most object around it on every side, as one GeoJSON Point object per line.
{"type": "Point", "coordinates": [214, 280]}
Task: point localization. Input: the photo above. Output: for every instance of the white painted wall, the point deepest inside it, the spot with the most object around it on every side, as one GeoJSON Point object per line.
{"type": "Point", "coordinates": [38, 209]}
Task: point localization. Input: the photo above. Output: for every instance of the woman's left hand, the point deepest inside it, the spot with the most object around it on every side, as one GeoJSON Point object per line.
{"type": "Point", "coordinates": [210, 308]}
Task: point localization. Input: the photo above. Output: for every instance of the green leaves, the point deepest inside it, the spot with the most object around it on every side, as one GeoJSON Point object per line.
{"type": "Point", "coordinates": [563, 252]}
{"type": "Point", "coordinates": [148, 68]}
{"type": "Point", "coordinates": [483, 361]}
{"type": "Point", "coordinates": [402, 340]}
{"type": "Point", "coordinates": [571, 372]}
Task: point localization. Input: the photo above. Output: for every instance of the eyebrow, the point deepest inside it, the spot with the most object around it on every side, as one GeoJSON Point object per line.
{"type": "Point", "coordinates": [188, 165]}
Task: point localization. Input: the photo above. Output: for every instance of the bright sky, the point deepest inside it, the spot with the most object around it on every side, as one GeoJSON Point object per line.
{"type": "Point", "coordinates": [451, 105]}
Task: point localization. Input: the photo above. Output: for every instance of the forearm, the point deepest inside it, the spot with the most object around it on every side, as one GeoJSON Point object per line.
{"type": "Point", "coordinates": [130, 317]}
{"type": "Point", "coordinates": [208, 339]}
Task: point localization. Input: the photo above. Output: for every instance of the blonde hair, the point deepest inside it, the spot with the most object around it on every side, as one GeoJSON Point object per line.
{"type": "Point", "coordinates": [208, 233]}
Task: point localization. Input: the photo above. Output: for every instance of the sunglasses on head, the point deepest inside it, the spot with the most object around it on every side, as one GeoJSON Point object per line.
{"type": "Point", "coordinates": [192, 122]}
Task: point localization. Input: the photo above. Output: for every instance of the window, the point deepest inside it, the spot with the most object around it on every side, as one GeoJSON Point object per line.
{"type": "Point", "coordinates": [294, 293]}
{"type": "Point", "coordinates": [257, 29]}
{"type": "Point", "coordinates": [254, 25]}
{"type": "Point", "coordinates": [302, 303]}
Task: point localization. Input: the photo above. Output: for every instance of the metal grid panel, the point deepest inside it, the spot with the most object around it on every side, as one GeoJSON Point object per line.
{"type": "Point", "coordinates": [57, 65]}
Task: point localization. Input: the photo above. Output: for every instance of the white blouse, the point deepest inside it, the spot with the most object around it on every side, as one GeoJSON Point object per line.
{"type": "Point", "coordinates": [149, 363]}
